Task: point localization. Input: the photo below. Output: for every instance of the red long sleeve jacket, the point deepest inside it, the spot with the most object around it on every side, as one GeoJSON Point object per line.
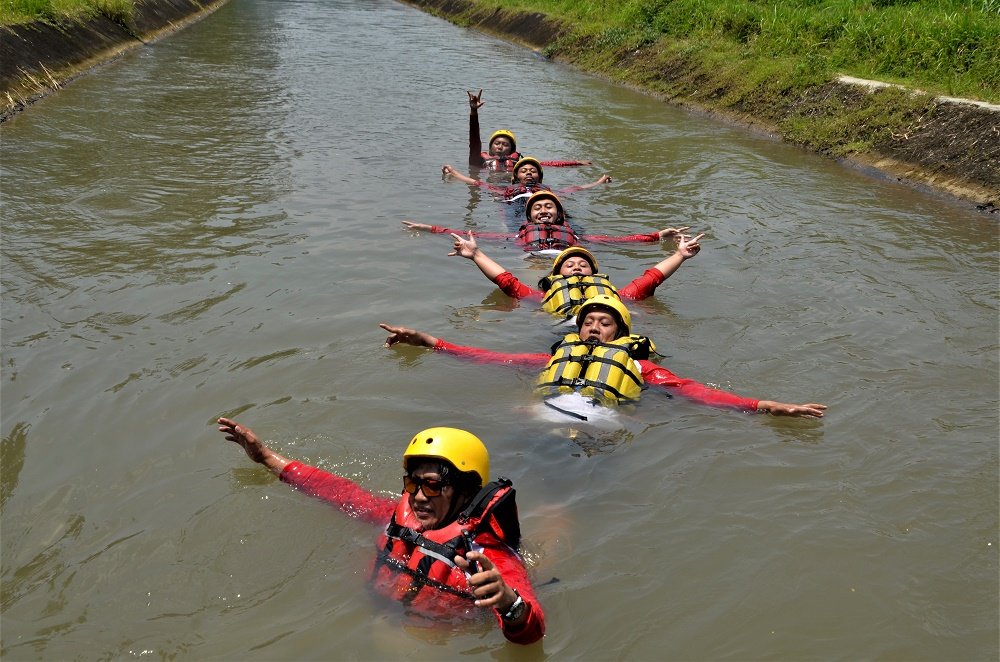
{"type": "Point", "coordinates": [358, 502]}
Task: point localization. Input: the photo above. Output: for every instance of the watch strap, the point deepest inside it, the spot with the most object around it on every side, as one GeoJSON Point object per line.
{"type": "Point", "coordinates": [516, 608]}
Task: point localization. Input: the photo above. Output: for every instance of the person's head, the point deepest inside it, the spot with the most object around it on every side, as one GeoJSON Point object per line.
{"type": "Point", "coordinates": [574, 261]}
{"type": "Point", "coordinates": [604, 318]}
{"type": "Point", "coordinates": [527, 170]}
{"type": "Point", "coordinates": [502, 143]}
{"type": "Point", "coordinates": [444, 469]}
{"type": "Point", "coordinates": [544, 207]}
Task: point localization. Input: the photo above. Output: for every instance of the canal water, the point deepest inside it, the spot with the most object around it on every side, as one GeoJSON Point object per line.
{"type": "Point", "coordinates": [211, 226]}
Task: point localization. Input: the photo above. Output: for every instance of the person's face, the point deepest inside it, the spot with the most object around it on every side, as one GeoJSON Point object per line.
{"type": "Point", "coordinates": [527, 174]}
{"type": "Point", "coordinates": [501, 146]}
{"type": "Point", "coordinates": [430, 511]}
{"type": "Point", "coordinates": [545, 211]}
{"type": "Point", "coordinates": [575, 265]}
{"type": "Point", "coordinates": [599, 325]}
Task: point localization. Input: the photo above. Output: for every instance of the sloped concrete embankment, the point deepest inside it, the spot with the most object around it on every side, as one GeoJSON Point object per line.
{"type": "Point", "coordinates": [38, 58]}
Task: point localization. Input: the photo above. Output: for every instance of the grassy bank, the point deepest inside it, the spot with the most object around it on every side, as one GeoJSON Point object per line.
{"type": "Point", "coordinates": [778, 66]}
{"type": "Point", "coordinates": [947, 47]}
{"type": "Point", "coordinates": [66, 38]}
{"type": "Point", "coordinates": [17, 12]}
{"type": "Point", "coordinates": [773, 64]}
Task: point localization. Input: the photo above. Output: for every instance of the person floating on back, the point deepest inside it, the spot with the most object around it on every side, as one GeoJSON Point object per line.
{"type": "Point", "coordinates": [602, 365]}
{"type": "Point", "coordinates": [574, 277]}
{"type": "Point", "coordinates": [525, 180]}
{"type": "Point", "coordinates": [502, 151]}
{"type": "Point", "coordinates": [547, 229]}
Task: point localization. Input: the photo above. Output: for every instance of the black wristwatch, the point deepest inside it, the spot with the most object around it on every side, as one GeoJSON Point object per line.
{"type": "Point", "coordinates": [516, 610]}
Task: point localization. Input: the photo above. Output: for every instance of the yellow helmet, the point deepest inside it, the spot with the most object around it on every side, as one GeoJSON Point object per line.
{"type": "Point", "coordinates": [570, 252]}
{"type": "Point", "coordinates": [524, 160]}
{"type": "Point", "coordinates": [463, 450]}
{"type": "Point", "coordinates": [542, 195]}
{"type": "Point", "coordinates": [505, 133]}
{"type": "Point", "coordinates": [614, 306]}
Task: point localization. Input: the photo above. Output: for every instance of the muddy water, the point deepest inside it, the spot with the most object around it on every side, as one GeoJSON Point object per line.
{"type": "Point", "coordinates": [211, 226]}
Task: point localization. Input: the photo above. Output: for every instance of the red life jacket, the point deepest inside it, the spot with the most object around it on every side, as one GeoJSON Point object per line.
{"type": "Point", "coordinates": [500, 163]}
{"type": "Point", "coordinates": [538, 236]}
{"type": "Point", "coordinates": [417, 568]}
{"type": "Point", "coordinates": [518, 191]}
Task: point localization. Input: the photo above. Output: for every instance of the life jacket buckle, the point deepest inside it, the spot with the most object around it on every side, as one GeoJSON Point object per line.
{"type": "Point", "coordinates": [409, 535]}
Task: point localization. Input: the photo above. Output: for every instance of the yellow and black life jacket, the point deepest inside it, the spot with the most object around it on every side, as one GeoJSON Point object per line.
{"type": "Point", "coordinates": [537, 236]}
{"type": "Point", "coordinates": [607, 372]}
{"type": "Point", "coordinates": [410, 559]}
{"type": "Point", "coordinates": [564, 294]}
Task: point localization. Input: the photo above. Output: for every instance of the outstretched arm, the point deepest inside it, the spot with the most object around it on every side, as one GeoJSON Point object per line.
{"type": "Point", "coordinates": [603, 179]}
{"type": "Point", "coordinates": [505, 280]}
{"type": "Point", "coordinates": [563, 163]}
{"type": "Point", "coordinates": [666, 233]}
{"type": "Point", "coordinates": [437, 229]}
{"type": "Point", "coordinates": [338, 491]}
{"type": "Point", "coordinates": [421, 227]}
{"type": "Point", "coordinates": [811, 410]}
{"type": "Point", "coordinates": [401, 334]}
{"type": "Point", "coordinates": [656, 375]}
{"type": "Point", "coordinates": [675, 234]}
{"type": "Point", "coordinates": [447, 169]}
{"type": "Point", "coordinates": [468, 249]}
{"type": "Point", "coordinates": [255, 449]}
{"type": "Point", "coordinates": [475, 141]}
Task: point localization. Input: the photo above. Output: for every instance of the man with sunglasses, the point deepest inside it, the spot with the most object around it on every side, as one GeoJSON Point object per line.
{"type": "Point", "coordinates": [451, 539]}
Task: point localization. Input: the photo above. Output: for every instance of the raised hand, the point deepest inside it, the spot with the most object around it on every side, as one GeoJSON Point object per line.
{"type": "Point", "coordinates": [673, 233]}
{"type": "Point", "coordinates": [255, 449]}
{"type": "Point", "coordinates": [689, 247]}
{"type": "Point", "coordinates": [487, 585]}
{"type": "Point", "coordinates": [464, 247]}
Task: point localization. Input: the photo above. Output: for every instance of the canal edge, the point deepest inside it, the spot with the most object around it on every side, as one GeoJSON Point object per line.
{"type": "Point", "coordinates": [39, 58]}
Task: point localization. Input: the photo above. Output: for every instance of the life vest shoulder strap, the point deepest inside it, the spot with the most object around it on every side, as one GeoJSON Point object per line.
{"type": "Point", "coordinates": [444, 552]}
{"type": "Point", "coordinates": [494, 509]}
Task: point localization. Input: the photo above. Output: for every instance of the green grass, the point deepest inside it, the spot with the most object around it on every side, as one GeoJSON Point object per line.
{"type": "Point", "coordinates": [943, 46]}
{"type": "Point", "coordinates": [13, 12]}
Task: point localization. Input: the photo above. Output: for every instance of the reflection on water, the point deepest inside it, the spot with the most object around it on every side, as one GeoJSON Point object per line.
{"type": "Point", "coordinates": [211, 226]}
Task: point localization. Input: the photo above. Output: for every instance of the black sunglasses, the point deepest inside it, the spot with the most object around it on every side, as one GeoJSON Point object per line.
{"type": "Point", "coordinates": [431, 487]}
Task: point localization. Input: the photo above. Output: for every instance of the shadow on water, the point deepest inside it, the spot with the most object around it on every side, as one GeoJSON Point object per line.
{"type": "Point", "coordinates": [12, 451]}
